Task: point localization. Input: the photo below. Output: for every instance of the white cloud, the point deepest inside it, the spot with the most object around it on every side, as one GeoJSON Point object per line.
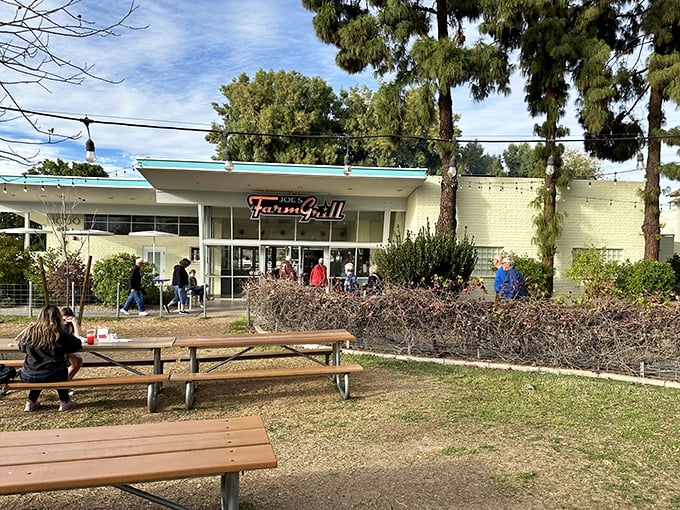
{"type": "Point", "coordinates": [172, 72]}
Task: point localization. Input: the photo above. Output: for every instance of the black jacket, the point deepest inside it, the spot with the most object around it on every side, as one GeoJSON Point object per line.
{"type": "Point", "coordinates": [48, 361]}
{"type": "Point", "coordinates": [180, 276]}
{"type": "Point", "coordinates": [135, 278]}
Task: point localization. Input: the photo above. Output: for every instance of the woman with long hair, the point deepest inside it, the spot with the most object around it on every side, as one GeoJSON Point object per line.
{"type": "Point", "coordinates": [47, 346]}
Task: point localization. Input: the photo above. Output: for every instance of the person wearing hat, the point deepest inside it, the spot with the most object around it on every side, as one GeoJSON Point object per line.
{"type": "Point", "coordinates": [318, 277]}
{"type": "Point", "coordinates": [135, 289]}
{"type": "Point", "coordinates": [350, 284]}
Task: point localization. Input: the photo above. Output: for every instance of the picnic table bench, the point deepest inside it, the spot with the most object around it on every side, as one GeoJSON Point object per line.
{"type": "Point", "coordinates": [250, 346]}
{"type": "Point", "coordinates": [121, 455]}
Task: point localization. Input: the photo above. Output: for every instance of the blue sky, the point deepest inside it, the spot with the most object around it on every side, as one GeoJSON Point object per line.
{"type": "Point", "coordinates": [172, 72]}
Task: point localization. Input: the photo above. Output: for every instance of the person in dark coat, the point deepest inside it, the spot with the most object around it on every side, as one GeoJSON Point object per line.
{"type": "Point", "coordinates": [180, 283]}
{"type": "Point", "coordinates": [135, 289]}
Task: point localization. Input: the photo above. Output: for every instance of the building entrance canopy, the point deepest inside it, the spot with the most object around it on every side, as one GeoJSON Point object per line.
{"type": "Point", "coordinates": [210, 176]}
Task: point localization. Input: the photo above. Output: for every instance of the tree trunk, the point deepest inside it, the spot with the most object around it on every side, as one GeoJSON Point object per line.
{"type": "Point", "coordinates": [548, 219]}
{"type": "Point", "coordinates": [447, 203]}
{"type": "Point", "coordinates": [651, 227]}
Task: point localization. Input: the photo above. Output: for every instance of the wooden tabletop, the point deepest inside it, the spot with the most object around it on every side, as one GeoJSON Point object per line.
{"type": "Point", "coordinates": [10, 345]}
{"type": "Point", "coordinates": [281, 338]}
{"type": "Point", "coordinates": [58, 459]}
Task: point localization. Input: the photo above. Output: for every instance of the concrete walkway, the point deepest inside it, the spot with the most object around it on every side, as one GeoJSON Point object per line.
{"type": "Point", "coordinates": [219, 307]}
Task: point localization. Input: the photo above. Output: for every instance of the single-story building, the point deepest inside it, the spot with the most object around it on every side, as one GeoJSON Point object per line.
{"type": "Point", "coordinates": [233, 223]}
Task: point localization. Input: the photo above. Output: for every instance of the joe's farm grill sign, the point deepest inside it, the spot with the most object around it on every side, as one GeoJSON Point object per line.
{"type": "Point", "coordinates": [305, 208]}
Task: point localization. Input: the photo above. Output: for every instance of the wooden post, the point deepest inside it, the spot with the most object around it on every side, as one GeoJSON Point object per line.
{"type": "Point", "coordinates": [83, 292]}
{"type": "Point", "coordinates": [46, 294]}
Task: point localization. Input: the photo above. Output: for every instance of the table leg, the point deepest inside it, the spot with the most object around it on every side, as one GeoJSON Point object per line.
{"type": "Point", "coordinates": [190, 386]}
{"type": "Point", "coordinates": [230, 491]}
{"type": "Point", "coordinates": [336, 353]}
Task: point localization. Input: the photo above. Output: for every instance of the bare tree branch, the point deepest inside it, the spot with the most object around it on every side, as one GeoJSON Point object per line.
{"type": "Point", "coordinates": [26, 54]}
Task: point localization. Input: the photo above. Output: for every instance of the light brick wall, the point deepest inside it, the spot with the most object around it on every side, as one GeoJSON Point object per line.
{"type": "Point", "coordinates": [497, 211]}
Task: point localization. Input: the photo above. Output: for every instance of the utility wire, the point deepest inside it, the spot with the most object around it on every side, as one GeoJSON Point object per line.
{"type": "Point", "coordinates": [339, 136]}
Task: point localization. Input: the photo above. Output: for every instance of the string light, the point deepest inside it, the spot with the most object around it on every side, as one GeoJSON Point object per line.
{"type": "Point", "coordinates": [90, 155]}
{"type": "Point", "coordinates": [501, 140]}
{"type": "Point", "coordinates": [228, 163]}
{"type": "Point", "coordinates": [347, 162]}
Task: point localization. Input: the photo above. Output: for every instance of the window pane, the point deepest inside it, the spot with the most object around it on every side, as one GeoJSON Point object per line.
{"type": "Point", "coordinates": [371, 226]}
{"type": "Point", "coordinates": [277, 228]}
{"type": "Point", "coordinates": [484, 267]}
{"type": "Point", "coordinates": [119, 225]}
{"type": "Point", "coordinates": [314, 231]}
{"type": "Point", "coordinates": [397, 222]}
{"type": "Point", "coordinates": [345, 230]}
{"type": "Point", "coordinates": [244, 227]}
{"type": "Point", "coordinates": [221, 223]}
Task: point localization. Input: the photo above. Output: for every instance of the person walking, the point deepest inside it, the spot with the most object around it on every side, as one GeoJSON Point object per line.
{"type": "Point", "coordinates": [374, 285]}
{"type": "Point", "coordinates": [135, 290]}
{"type": "Point", "coordinates": [318, 277]}
{"type": "Point", "coordinates": [499, 278]}
{"type": "Point", "coordinates": [47, 346]}
{"type": "Point", "coordinates": [514, 285]}
{"type": "Point", "coordinates": [180, 282]}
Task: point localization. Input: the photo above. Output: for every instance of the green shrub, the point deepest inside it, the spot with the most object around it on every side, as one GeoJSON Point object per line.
{"type": "Point", "coordinates": [674, 261]}
{"type": "Point", "coordinates": [645, 279]}
{"type": "Point", "coordinates": [12, 249]}
{"type": "Point", "coordinates": [592, 270]}
{"type": "Point", "coordinates": [535, 273]}
{"type": "Point", "coordinates": [109, 272]}
{"type": "Point", "coordinates": [428, 259]}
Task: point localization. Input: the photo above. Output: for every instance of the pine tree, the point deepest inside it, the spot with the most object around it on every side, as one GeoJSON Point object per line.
{"type": "Point", "coordinates": [420, 44]}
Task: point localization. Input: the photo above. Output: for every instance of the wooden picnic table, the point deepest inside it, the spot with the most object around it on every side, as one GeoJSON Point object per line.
{"type": "Point", "coordinates": [120, 455]}
{"type": "Point", "coordinates": [292, 342]}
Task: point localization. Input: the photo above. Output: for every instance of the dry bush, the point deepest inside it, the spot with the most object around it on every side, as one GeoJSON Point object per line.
{"type": "Point", "coordinates": [613, 335]}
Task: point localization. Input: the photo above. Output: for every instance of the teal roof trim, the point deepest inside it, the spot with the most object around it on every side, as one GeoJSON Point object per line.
{"type": "Point", "coordinates": [277, 168]}
{"type": "Point", "coordinates": [52, 180]}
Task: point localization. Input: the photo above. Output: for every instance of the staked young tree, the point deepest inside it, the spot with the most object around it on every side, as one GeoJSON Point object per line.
{"type": "Point", "coordinates": [29, 30]}
{"type": "Point", "coordinates": [419, 44]}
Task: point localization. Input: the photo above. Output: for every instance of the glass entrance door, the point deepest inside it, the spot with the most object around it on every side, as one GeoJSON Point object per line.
{"type": "Point", "coordinates": [310, 256]}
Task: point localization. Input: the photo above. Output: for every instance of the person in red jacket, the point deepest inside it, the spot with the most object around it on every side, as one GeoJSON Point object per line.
{"type": "Point", "coordinates": [318, 277]}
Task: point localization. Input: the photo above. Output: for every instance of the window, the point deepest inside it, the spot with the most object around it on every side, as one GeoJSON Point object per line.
{"type": "Point", "coordinates": [345, 230]}
{"type": "Point", "coordinates": [122, 225]}
{"type": "Point", "coordinates": [610, 254]}
{"type": "Point", "coordinates": [371, 226]}
{"type": "Point", "coordinates": [484, 267]}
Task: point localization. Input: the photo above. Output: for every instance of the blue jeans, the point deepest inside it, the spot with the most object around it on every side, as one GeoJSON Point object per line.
{"type": "Point", "coordinates": [57, 376]}
{"type": "Point", "coordinates": [138, 298]}
{"type": "Point", "coordinates": [180, 295]}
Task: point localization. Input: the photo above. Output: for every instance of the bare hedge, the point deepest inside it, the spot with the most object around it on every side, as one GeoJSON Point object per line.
{"type": "Point", "coordinates": [612, 336]}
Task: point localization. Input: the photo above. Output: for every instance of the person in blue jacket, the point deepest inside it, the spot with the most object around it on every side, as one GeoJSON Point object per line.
{"type": "Point", "coordinates": [500, 273]}
{"type": "Point", "coordinates": [514, 285]}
